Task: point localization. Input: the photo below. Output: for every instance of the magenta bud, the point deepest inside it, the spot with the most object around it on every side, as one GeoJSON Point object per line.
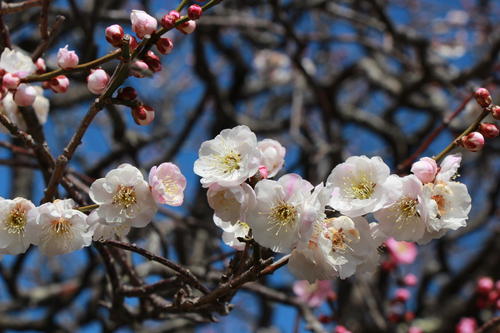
{"type": "Point", "coordinates": [164, 45]}
{"type": "Point", "coordinates": [175, 14]}
{"type": "Point", "coordinates": [483, 97]}
{"type": "Point", "coordinates": [153, 61]}
{"type": "Point", "coordinates": [473, 141]}
{"type": "Point", "coordinates": [495, 112]}
{"type": "Point", "coordinates": [488, 130]}
{"type": "Point", "coordinates": [114, 35]}
{"type": "Point", "coordinates": [127, 94]}
{"type": "Point", "coordinates": [194, 12]}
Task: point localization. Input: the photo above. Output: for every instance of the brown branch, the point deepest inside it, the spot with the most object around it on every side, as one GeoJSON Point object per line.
{"type": "Point", "coordinates": [44, 44]}
{"type": "Point", "coordinates": [11, 8]}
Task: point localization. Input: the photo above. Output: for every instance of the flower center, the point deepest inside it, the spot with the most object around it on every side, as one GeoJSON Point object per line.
{"type": "Point", "coordinates": [361, 188]}
{"type": "Point", "coordinates": [441, 203]}
{"type": "Point", "coordinates": [340, 238]}
{"type": "Point", "coordinates": [282, 216]}
{"type": "Point", "coordinates": [16, 220]}
{"type": "Point", "coordinates": [170, 186]}
{"type": "Point", "coordinates": [230, 162]}
{"type": "Point", "coordinates": [60, 226]}
{"type": "Point", "coordinates": [125, 196]}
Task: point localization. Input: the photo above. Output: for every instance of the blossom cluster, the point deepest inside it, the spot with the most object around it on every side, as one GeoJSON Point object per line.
{"type": "Point", "coordinates": [326, 227]}
{"type": "Point", "coordinates": [123, 200]}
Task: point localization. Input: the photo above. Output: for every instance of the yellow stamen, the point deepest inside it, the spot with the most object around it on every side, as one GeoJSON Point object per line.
{"type": "Point", "coordinates": [125, 196]}
{"type": "Point", "coordinates": [16, 220]}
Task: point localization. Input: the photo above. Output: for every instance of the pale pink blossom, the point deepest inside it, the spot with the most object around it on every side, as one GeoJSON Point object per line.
{"type": "Point", "coordinates": [187, 27]}
{"type": "Point", "coordinates": [67, 59]}
{"type": "Point", "coordinates": [466, 325]}
{"type": "Point", "coordinates": [143, 24]}
{"type": "Point", "coordinates": [448, 168]}
{"type": "Point", "coordinates": [272, 156]}
{"type": "Point", "coordinates": [25, 95]}
{"type": "Point", "coordinates": [97, 81]}
{"type": "Point", "coordinates": [313, 294]}
{"type": "Point", "coordinates": [425, 169]}
{"type": "Point", "coordinates": [11, 81]}
{"type": "Point", "coordinates": [40, 65]}
{"type": "Point", "coordinates": [167, 184]}
{"type": "Point", "coordinates": [402, 252]}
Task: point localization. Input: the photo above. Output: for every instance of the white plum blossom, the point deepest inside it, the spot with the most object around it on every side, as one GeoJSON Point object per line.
{"type": "Point", "coordinates": [228, 159]}
{"type": "Point", "coordinates": [58, 228]}
{"type": "Point", "coordinates": [231, 234]}
{"type": "Point", "coordinates": [123, 196]}
{"type": "Point", "coordinates": [230, 204]}
{"type": "Point", "coordinates": [14, 226]}
{"type": "Point", "coordinates": [16, 62]}
{"type": "Point", "coordinates": [104, 231]}
{"type": "Point", "coordinates": [276, 217]}
{"type": "Point", "coordinates": [338, 247]}
{"type": "Point", "coordinates": [272, 156]}
{"type": "Point", "coordinates": [407, 218]}
{"type": "Point", "coordinates": [167, 184]}
{"type": "Point", "coordinates": [448, 168]}
{"type": "Point", "coordinates": [9, 108]}
{"type": "Point", "coordinates": [362, 185]}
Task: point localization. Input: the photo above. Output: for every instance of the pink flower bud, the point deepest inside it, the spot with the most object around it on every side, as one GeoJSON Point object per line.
{"type": "Point", "coordinates": [25, 95]}
{"type": "Point", "coordinates": [484, 285]}
{"type": "Point", "coordinates": [97, 81]}
{"type": "Point", "coordinates": [133, 43]}
{"type": "Point", "coordinates": [11, 81]}
{"type": "Point", "coordinates": [415, 329]}
{"type": "Point", "coordinates": [153, 61]}
{"type": "Point", "coordinates": [139, 69]}
{"type": "Point", "coordinates": [59, 84]}
{"type": "Point", "coordinates": [187, 27]}
{"type": "Point", "coordinates": [114, 35]}
{"type": "Point", "coordinates": [168, 21]}
{"type": "Point", "coordinates": [401, 295]}
{"type": "Point", "coordinates": [67, 59]}
{"type": "Point", "coordinates": [466, 325]}
{"type": "Point", "coordinates": [473, 141]}
{"type": "Point", "coordinates": [194, 12]}
{"type": "Point", "coordinates": [488, 130]}
{"type": "Point", "coordinates": [175, 14]}
{"type": "Point", "coordinates": [40, 66]}
{"type": "Point", "coordinates": [127, 94]}
{"type": "Point", "coordinates": [341, 329]}
{"type": "Point", "coordinates": [263, 171]}
{"type": "Point", "coordinates": [410, 280]}
{"type": "Point", "coordinates": [164, 45]}
{"type": "Point", "coordinates": [425, 169]}
{"type": "Point", "coordinates": [495, 112]}
{"type": "Point", "coordinates": [142, 23]}
{"type": "Point", "coordinates": [483, 97]}
{"type": "Point", "coordinates": [143, 115]}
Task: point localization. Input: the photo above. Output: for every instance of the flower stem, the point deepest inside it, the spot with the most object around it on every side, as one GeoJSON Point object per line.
{"type": "Point", "coordinates": [87, 208]}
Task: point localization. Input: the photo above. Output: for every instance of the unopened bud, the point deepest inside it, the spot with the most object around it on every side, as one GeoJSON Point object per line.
{"type": "Point", "coordinates": [488, 130]}
{"type": "Point", "coordinates": [97, 81]}
{"type": "Point", "coordinates": [133, 43]}
{"type": "Point", "coordinates": [194, 12]}
{"type": "Point", "coordinates": [139, 69]}
{"type": "Point", "coordinates": [67, 59]}
{"type": "Point", "coordinates": [143, 24]}
{"type": "Point", "coordinates": [25, 95]}
{"type": "Point", "coordinates": [40, 66]}
{"type": "Point", "coordinates": [114, 35]}
{"type": "Point", "coordinates": [402, 295]}
{"type": "Point", "coordinates": [484, 285]}
{"type": "Point", "coordinates": [143, 115]}
{"type": "Point", "coordinates": [58, 84]}
{"type": "Point", "coordinates": [127, 94]}
{"type": "Point", "coordinates": [483, 97]}
{"type": "Point", "coordinates": [175, 14]}
{"type": "Point", "coordinates": [473, 141]}
{"type": "Point", "coordinates": [164, 45]}
{"type": "Point", "coordinates": [11, 81]}
{"type": "Point", "coordinates": [187, 27]}
{"type": "Point", "coordinates": [168, 21]}
{"type": "Point", "coordinates": [495, 112]}
{"type": "Point", "coordinates": [153, 61]}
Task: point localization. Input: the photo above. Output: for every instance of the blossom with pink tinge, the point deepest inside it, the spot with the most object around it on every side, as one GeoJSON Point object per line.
{"type": "Point", "coordinates": [97, 81]}
{"type": "Point", "coordinates": [484, 285]}
{"type": "Point", "coordinates": [40, 66]}
{"type": "Point", "coordinates": [313, 294]}
{"type": "Point", "coordinates": [401, 295]}
{"type": "Point", "coordinates": [58, 84]}
{"type": "Point", "coordinates": [466, 325]}
{"type": "Point", "coordinates": [425, 169]}
{"type": "Point", "coordinates": [10, 81]}
{"type": "Point", "coordinates": [25, 95]}
{"type": "Point", "coordinates": [167, 184]}
{"type": "Point", "coordinates": [114, 34]}
{"type": "Point", "coordinates": [142, 23]}
{"type": "Point", "coordinates": [272, 155]}
{"type": "Point", "coordinates": [67, 59]}
{"type": "Point", "coordinates": [402, 252]}
{"type": "Point", "coordinates": [187, 27]}
{"type": "Point", "coordinates": [473, 141]}
{"type": "Point", "coordinates": [410, 280]}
